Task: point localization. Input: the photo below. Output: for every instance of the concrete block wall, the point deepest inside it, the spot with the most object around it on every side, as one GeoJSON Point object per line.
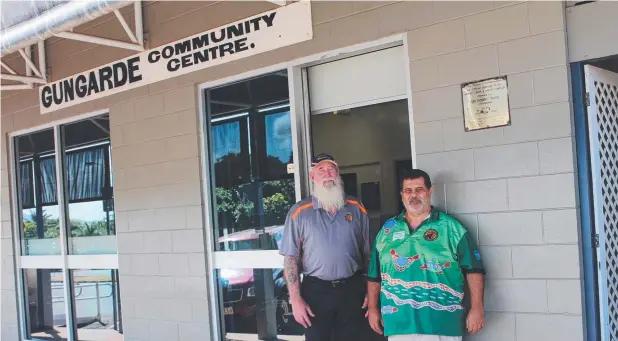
{"type": "Point", "coordinates": [521, 209]}
{"type": "Point", "coordinates": [512, 187]}
{"type": "Point", "coordinates": [8, 295]}
{"type": "Point", "coordinates": [158, 203]}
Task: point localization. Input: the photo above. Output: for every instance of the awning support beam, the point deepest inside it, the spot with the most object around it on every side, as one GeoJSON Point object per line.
{"type": "Point", "coordinates": [29, 64]}
{"type": "Point", "coordinates": [23, 79]}
{"type": "Point", "coordinates": [125, 26]}
{"type": "Point", "coordinates": [100, 41]}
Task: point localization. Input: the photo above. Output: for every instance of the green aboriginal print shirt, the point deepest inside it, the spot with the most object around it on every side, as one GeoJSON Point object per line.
{"type": "Point", "coordinates": [422, 274]}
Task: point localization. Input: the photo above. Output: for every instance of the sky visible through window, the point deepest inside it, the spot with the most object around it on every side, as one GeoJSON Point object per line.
{"type": "Point", "coordinates": [278, 137]}
{"type": "Point", "coordinates": [86, 211]}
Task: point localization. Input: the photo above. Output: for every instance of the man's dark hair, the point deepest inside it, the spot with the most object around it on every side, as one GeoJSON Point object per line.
{"type": "Point", "coordinates": [415, 174]}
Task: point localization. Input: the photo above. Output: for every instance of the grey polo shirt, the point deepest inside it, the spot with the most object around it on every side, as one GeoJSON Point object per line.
{"type": "Point", "coordinates": [330, 247]}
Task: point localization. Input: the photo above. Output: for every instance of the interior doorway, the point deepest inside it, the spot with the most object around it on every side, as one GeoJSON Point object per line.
{"type": "Point", "coordinates": [371, 145]}
{"type": "Point", "coordinates": [362, 119]}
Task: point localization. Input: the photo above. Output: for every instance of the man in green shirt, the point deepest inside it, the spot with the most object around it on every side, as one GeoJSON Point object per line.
{"type": "Point", "coordinates": [417, 272]}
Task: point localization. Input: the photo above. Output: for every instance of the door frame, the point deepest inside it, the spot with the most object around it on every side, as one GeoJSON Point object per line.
{"type": "Point", "coordinates": [592, 295]}
{"type": "Point", "coordinates": [301, 146]}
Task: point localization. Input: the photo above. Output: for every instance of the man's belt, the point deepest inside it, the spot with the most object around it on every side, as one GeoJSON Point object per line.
{"type": "Point", "coordinates": [334, 283]}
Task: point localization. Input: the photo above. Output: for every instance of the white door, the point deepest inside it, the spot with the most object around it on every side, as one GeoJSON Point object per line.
{"type": "Point", "coordinates": [602, 107]}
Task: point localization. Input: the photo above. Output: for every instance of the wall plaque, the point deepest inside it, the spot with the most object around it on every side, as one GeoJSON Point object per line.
{"type": "Point", "coordinates": [486, 104]}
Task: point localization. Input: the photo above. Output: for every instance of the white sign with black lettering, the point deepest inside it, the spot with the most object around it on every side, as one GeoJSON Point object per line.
{"type": "Point", "coordinates": [264, 32]}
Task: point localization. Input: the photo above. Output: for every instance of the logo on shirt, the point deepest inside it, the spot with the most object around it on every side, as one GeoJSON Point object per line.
{"type": "Point", "coordinates": [431, 235]}
{"type": "Point", "coordinates": [435, 266]}
{"type": "Point", "coordinates": [402, 263]}
{"type": "Point", "coordinates": [477, 255]}
{"type": "Point", "coordinates": [348, 217]}
{"type": "Point", "coordinates": [389, 309]}
{"type": "Point", "coordinates": [399, 235]}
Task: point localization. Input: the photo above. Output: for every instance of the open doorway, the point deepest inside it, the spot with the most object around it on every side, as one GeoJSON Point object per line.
{"type": "Point", "coordinates": [359, 115]}
{"type": "Point", "coordinates": [372, 147]}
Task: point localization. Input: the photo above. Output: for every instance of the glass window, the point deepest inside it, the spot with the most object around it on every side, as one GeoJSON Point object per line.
{"type": "Point", "coordinates": [87, 229]}
{"type": "Point", "coordinates": [37, 193]}
{"type": "Point", "coordinates": [251, 148]}
{"type": "Point", "coordinates": [256, 301]}
{"type": "Point", "coordinates": [87, 179]}
{"type": "Point", "coordinates": [44, 304]}
{"type": "Point", "coordinates": [97, 304]}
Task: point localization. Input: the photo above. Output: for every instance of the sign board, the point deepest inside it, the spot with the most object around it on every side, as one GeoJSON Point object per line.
{"type": "Point", "coordinates": [486, 104]}
{"type": "Point", "coordinates": [267, 31]}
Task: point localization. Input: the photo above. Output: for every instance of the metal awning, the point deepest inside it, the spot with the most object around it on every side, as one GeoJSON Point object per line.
{"type": "Point", "coordinates": [24, 23]}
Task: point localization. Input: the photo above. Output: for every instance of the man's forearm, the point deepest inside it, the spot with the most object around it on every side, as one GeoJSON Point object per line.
{"type": "Point", "coordinates": [373, 295]}
{"type": "Point", "coordinates": [475, 284]}
{"type": "Point", "coordinates": [290, 266]}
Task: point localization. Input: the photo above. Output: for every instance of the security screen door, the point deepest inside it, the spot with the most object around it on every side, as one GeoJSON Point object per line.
{"type": "Point", "coordinates": [602, 102]}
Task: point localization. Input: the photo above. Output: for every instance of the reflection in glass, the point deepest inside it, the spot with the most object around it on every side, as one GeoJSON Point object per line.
{"type": "Point", "coordinates": [251, 148]}
{"type": "Point", "coordinates": [45, 302]}
{"type": "Point", "coordinates": [88, 182]}
{"type": "Point", "coordinates": [97, 305]}
{"type": "Point", "coordinates": [37, 193]}
{"type": "Point", "coordinates": [256, 301]}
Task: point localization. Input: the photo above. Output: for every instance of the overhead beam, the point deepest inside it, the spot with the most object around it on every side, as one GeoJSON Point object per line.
{"type": "Point", "coordinates": [100, 126]}
{"type": "Point", "coordinates": [22, 79]}
{"type": "Point", "coordinates": [28, 50]}
{"type": "Point", "coordinates": [100, 41]}
{"type": "Point", "coordinates": [29, 62]}
{"type": "Point", "coordinates": [139, 26]}
{"type": "Point", "coordinates": [126, 27]}
{"type": "Point", "coordinates": [42, 63]}
{"type": "Point", "coordinates": [7, 68]}
{"type": "Point", "coordinates": [234, 104]}
{"type": "Point", "coordinates": [15, 87]}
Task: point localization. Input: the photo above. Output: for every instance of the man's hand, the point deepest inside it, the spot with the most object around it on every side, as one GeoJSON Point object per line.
{"type": "Point", "coordinates": [475, 320]}
{"type": "Point", "coordinates": [365, 302]}
{"type": "Point", "coordinates": [375, 320]}
{"type": "Point", "coordinates": [302, 311]}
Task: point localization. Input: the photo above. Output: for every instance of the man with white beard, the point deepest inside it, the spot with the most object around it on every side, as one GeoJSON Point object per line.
{"type": "Point", "coordinates": [326, 238]}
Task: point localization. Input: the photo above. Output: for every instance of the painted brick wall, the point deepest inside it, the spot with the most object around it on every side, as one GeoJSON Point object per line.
{"type": "Point", "coordinates": [513, 187]}
{"type": "Point", "coordinates": [520, 206]}
{"type": "Point", "coordinates": [159, 217]}
{"type": "Point", "coordinates": [8, 300]}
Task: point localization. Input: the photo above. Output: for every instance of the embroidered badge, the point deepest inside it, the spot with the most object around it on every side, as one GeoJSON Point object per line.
{"type": "Point", "coordinates": [435, 266]}
{"type": "Point", "coordinates": [388, 225]}
{"type": "Point", "coordinates": [477, 255]}
{"type": "Point", "coordinates": [402, 263]}
{"type": "Point", "coordinates": [389, 309]}
{"type": "Point", "coordinates": [348, 217]}
{"type": "Point", "coordinates": [431, 235]}
{"type": "Point", "coordinates": [398, 235]}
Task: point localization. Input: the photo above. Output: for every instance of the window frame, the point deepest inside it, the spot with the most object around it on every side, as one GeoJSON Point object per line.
{"type": "Point", "coordinates": [66, 262]}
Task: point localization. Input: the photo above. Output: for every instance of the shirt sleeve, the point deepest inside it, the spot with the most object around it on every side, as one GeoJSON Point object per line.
{"type": "Point", "coordinates": [291, 240]}
{"type": "Point", "coordinates": [373, 271]}
{"type": "Point", "coordinates": [469, 256]}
